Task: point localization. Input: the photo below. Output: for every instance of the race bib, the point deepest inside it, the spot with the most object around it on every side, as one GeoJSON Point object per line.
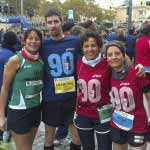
{"type": "Point", "coordinates": [33, 88]}
{"type": "Point", "coordinates": [123, 120]}
{"type": "Point", "coordinates": [64, 85]}
{"type": "Point", "coordinates": [105, 113]}
{"type": "Point", "coordinates": [147, 69]}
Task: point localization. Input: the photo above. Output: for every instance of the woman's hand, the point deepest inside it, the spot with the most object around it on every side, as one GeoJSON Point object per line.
{"type": "Point", "coordinates": [2, 123]}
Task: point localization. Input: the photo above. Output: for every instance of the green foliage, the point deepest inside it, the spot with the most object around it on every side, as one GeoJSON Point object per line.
{"type": "Point", "coordinates": [86, 8]}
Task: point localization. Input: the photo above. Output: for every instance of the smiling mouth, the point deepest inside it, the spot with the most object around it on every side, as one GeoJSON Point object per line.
{"type": "Point", "coordinates": [54, 30]}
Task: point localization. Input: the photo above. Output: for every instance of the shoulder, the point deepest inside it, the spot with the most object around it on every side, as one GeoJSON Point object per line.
{"type": "Point", "coordinates": [71, 38]}
{"type": "Point", "coordinates": [104, 62]}
{"type": "Point", "coordinates": [13, 62]}
{"type": "Point", "coordinates": [47, 41]}
{"type": "Point", "coordinates": [132, 71]}
{"type": "Point", "coordinates": [6, 52]}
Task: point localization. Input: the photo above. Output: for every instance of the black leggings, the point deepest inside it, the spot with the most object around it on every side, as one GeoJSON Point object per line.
{"type": "Point", "coordinates": [88, 140]}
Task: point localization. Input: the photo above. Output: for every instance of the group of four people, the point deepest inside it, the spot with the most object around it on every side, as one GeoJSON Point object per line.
{"type": "Point", "coordinates": [47, 71]}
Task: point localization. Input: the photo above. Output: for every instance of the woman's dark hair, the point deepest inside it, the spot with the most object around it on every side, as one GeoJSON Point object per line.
{"type": "Point", "coordinates": [26, 34]}
{"type": "Point", "coordinates": [9, 41]}
{"type": "Point", "coordinates": [94, 35]}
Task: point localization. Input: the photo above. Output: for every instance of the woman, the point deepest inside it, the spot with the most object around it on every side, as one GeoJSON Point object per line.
{"type": "Point", "coordinates": [93, 93]}
{"type": "Point", "coordinates": [25, 70]}
{"type": "Point", "coordinates": [129, 118]}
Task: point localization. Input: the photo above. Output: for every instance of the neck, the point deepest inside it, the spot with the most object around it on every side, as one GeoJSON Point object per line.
{"type": "Point", "coordinates": [31, 52]}
{"type": "Point", "coordinates": [58, 37]}
{"type": "Point", "coordinates": [29, 56]}
{"type": "Point", "coordinates": [121, 72]}
{"type": "Point", "coordinates": [118, 69]}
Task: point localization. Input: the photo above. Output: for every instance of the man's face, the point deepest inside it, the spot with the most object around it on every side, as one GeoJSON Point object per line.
{"type": "Point", "coordinates": [54, 25]}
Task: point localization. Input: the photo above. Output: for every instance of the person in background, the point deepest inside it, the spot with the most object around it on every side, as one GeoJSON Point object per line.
{"type": "Point", "coordinates": [7, 50]}
{"type": "Point", "coordinates": [67, 26]}
{"type": "Point", "coordinates": [25, 71]}
{"type": "Point", "coordinates": [129, 119]}
{"type": "Point", "coordinates": [130, 44]}
{"type": "Point", "coordinates": [1, 35]}
{"type": "Point", "coordinates": [89, 25]}
{"type": "Point", "coordinates": [104, 34]}
{"type": "Point", "coordinates": [142, 48]}
{"type": "Point", "coordinates": [78, 30]}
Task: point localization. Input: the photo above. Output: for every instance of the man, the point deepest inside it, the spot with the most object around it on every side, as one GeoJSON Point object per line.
{"type": "Point", "coordinates": [59, 94]}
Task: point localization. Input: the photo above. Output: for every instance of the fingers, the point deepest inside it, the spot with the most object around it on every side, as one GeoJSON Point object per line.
{"type": "Point", "coordinates": [140, 70]}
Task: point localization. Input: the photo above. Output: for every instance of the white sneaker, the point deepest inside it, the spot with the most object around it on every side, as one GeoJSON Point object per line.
{"type": "Point", "coordinates": [64, 142]}
{"type": "Point", "coordinates": [57, 142]}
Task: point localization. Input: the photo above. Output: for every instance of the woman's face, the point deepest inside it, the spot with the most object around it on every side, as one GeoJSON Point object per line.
{"type": "Point", "coordinates": [115, 58]}
{"type": "Point", "coordinates": [33, 42]}
{"type": "Point", "coordinates": [90, 49]}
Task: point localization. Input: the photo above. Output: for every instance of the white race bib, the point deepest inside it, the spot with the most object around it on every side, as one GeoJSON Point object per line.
{"type": "Point", "coordinates": [147, 69]}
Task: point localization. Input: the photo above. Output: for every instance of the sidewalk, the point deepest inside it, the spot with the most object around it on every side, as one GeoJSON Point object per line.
{"type": "Point", "coordinates": [38, 143]}
{"type": "Point", "coordinates": [39, 140]}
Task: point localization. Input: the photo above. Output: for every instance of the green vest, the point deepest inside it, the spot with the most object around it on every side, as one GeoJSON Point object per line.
{"type": "Point", "coordinates": [27, 84]}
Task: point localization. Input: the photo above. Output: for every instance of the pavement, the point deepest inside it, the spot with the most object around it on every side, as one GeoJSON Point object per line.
{"type": "Point", "coordinates": [38, 144]}
{"type": "Point", "coordinates": [39, 140]}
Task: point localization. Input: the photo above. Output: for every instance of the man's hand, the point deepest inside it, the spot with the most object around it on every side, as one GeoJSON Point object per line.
{"type": "Point", "coordinates": [140, 70]}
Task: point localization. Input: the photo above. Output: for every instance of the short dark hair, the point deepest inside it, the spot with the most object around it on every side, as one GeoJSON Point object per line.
{"type": "Point", "coordinates": [68, 26]}
{"type": "Point", "coordinates": [9, 41]}
{"type": "Point", "coordinates": [52, 12]}
{"type": "Point", "coordinates": [92, 34]}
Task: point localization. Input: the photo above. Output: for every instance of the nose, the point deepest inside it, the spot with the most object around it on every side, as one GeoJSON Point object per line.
{"type": "Point", "coordinates": [53, 24]}
{"type": "Point", "coordinates": [33, 40]}
{"type": "Point", "coordinates": [89, 48]}
{"type": "Point", "coordinates": [113, 55]}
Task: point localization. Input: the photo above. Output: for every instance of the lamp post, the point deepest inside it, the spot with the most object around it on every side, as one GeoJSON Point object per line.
{"type": "Point", "coordinates": [21, 7]}
{"type": "Point", "coordinates": [129, 14]}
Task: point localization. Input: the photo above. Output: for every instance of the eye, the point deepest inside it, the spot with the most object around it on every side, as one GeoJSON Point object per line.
{"type": "Point", "coordinates": [109, 54]}
{"type": "Point", "coordinates": [117, 53]}
{"type": "Point", "coordinates": [29, 38]}
{"type": "Point", "coordinates": [49, 22]}
{"type": "Point", "coordinates": [94, 45]}
{"type": "Point", "coordinates": [56, 21]}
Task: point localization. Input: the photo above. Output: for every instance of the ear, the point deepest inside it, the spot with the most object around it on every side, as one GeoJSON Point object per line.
{"type": "Point", "coordinates": [62, 22]}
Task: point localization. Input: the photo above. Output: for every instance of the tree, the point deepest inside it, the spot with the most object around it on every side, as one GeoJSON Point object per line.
{"type": "Point", "coordinates": [82, 8]}
{"type": "Point", "coordinates": [35, 4]}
